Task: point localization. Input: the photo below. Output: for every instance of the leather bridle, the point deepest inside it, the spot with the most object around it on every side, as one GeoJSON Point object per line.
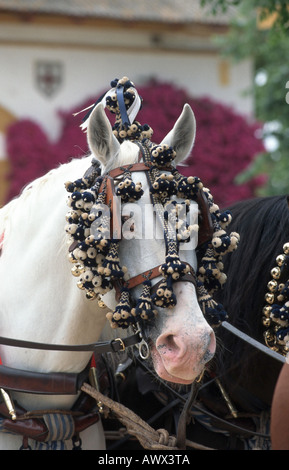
{"type": "Point", "coordinates": [205, 223]}
{"type": "Point", "coordinates": [60, 383]}
{"type": "Point", "coordinates": [69, 383]}
{"type": "Point", "coordinates": [66, 383]}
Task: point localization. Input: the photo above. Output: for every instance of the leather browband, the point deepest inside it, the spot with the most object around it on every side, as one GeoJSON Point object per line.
{"type": "Point", "coordinates": [155, 272]}
{"type": "Point", "coordinates": [141, 166]}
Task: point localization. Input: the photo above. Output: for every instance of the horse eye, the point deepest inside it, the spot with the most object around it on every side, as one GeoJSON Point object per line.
{"type": "Point", "coordinates": [124, 218]}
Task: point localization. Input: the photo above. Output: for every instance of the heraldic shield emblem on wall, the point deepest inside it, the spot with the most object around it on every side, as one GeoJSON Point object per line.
{"type": "Point", "coordinates": [49, 77]}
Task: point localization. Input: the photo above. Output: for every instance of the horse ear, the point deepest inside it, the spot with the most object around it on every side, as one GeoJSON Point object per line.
{"type": "Point", "coordinates": [101, 140]}
{"type": "Point", "coordinates": [182, 135]}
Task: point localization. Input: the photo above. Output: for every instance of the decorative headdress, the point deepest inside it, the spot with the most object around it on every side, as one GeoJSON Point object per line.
{"type": "Point", "coordinates": [95, 253]}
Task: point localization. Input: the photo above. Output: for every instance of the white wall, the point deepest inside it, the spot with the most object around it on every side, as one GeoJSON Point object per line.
{"type": "Point", "coordinates": [89, 64]}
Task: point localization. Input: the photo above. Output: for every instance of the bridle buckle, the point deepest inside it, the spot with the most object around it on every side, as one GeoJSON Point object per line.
{"type": "Point", "coordinates": [122, 345]}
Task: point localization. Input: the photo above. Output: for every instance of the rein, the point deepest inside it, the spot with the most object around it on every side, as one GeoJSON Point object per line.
{"type": "Point", "coordinates": [256, 344]}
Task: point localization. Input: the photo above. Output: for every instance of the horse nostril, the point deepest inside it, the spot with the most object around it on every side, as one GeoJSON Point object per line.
{"type": "Point", "coordinates": [169, 342]}
{"type": "Point", "coordinates": [165, 341]}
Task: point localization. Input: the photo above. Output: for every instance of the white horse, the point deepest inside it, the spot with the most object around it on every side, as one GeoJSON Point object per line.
{"type": "Point", "coordinates": [39, 299]}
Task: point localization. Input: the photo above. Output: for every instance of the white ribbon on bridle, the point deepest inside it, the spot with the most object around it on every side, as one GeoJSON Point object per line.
{"type": "Point", "coordinates": [132, 111]}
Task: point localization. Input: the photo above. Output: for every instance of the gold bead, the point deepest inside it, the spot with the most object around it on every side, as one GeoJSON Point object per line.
{"type": "Point", "coordinates": [272, 285]}
{"type": "Point", "coordinates": [266, 322]}
{"type": "Point", "coordinates": [280, 260]}
{"type": "Point", "coordinates": [71, 258]}
{"type": "Point", "coordinates": [269, 298]}
{"type": "Point", "coordinates": [77, 270]}
{"type": "Point", "coordinates": [276, 272]}
{"type": "Point", "coordinates": [286, 248]}
{"type": "Point", "coordinates": [267, 310]}
{"type": "Point", "coordinates": [90, 295]}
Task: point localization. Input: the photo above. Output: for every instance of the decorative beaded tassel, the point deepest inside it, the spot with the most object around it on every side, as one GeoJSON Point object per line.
{"type": "Point", "coordinates": [121, 317]}
{"type": "Point", "coordinates": [212, 310]}
{"type": "Point", "coordinates": [211, 266]}
{"type": "Point", "coordinates": [164, 185]}
{"type": "Point", "coordinates": [128, 190]}
{"type": "Point", "coordinates": [124, 130]}
{"type": "Point", "coordinates": [172, 270]}
{"type": "Point", "coordinates": [162, 155]}
{"type": "Point", "coordinates": [144, 308]}
{"type": "Point", "coordinates": [110, 266]}
{"type": "Point", "coordinates": [164, 296]}
{"type": "Point", "coordinates": [210, 272]}
{"type": "Point", "coordinates": [187, 187]}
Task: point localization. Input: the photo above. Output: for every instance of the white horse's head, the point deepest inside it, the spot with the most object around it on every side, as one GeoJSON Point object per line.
{"type": "Point", "coordinates": [181, 341]}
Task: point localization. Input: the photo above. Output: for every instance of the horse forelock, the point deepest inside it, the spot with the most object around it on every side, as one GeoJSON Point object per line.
{"type": "Point", "coordinates": [128, 154]}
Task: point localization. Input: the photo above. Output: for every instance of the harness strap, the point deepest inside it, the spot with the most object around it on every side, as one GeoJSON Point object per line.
{"type": "Point", "coordinates": [56, 383]}
{"type": "Point", "coordinates": [152, 274]}
{"type": "Point", "coordinates": [206, 229]}
{"type": "Point", "coordinates": [155, 272]}
{"type": "Point", "coordinates": [35, 425]}
{"type": "Point", "coordinates": [116, 345]}
{"type": "Point", "coordinates": [261, 347]}
{"type": "Point", "coordinates": [141, 166]}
